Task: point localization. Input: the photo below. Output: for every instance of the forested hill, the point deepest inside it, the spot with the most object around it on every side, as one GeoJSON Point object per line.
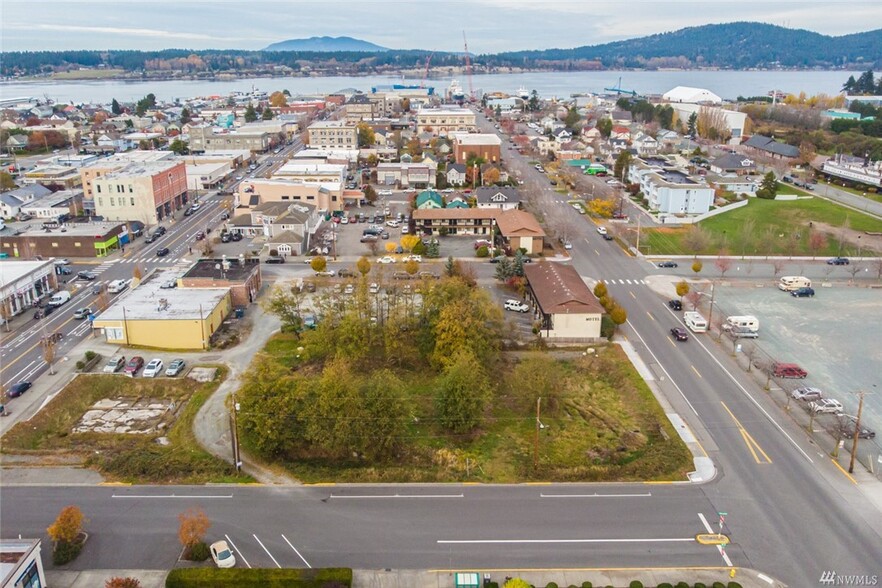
{"type": "Point", "coordinates": [734, 45]}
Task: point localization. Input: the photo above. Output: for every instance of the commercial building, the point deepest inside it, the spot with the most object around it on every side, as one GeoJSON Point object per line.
{"type": "Point", "coordinates": [445, 120]}
{"type": "Point", "coordinates": [691, 95]}
{"type": "Point", "coordinates": [772, 148]}
{"type": "Point", "coordinates": [146, 192]}
{"type": "Point", "coordinates": [520, 229]}
{"type": "Point", "coordinates": [732, 120]}
{"type": "Point", "coordinates": [337, 134]}
{"type": "Point", "coordinates": [327, 196]}
{"type": "Point", "coordinates": [12, 200]}
{"type": "Point", "coordinates": [669, 190]}
{"type": "Point", "coordinates": [485, 145]}
{"type": "Point", "coordinates": [165, 318]}
{"type": "Point", "coordinates": [241, 276]}
{"type": "Point", "coordinates": [408, 174]}
{"type": "Point", "coordinates": [54, 205]}
{"type": "Point", "coordinates": [22, 283]}
{"type": "Point", "coordinates": [21, 564]}
{"type": "Point", "coordinates": [113, 163]}
{"type": "Point", "coordinates": [312, 172]}
{"type": "Point", "coordinates": [53, 176]}
{"type": "Point", "coordinates": [563, 303]}
{"type": "Point", "coordinates": [207, 138]}
{"type": "Point", "coordinates": [204, 176]}
{"type": "Point", "coordinates": [455, 221]}
{"type": "Point", "coordinates": [358, 108]}
{"type": "Point", "coordinates": [92, 239]}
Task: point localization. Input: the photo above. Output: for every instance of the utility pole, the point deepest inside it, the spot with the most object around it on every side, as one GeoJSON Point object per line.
{"type": "Point", "coordinates": [536, 441]}
{"type": "Point", "coordinates": [710, 313]}
{"type": "Point", "coordinates": [234, 432]}
{"type": "Point", "coordinates": [639, 218]}
{"type": "Point", "coordinates": [857, 431]}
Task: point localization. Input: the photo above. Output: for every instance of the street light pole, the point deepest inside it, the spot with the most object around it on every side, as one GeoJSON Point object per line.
{"type": "Point", "coordinates": [857, 431]}
{"type": "Point", "coordinates": [536, 442]}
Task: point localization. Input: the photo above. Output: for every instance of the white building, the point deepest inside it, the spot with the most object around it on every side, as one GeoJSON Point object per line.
{"type": "Point", "coordinates": [690, 95]}
{"type": "Point", "coordinates": [735, 121]}
{"type": "Point", "coordinates": [22, 283]}
{"type": "Point", "coordinates": [669, 190]}
{"type": "Point", "coordinates": [562, 303]}
{"type": "Point", "coordinates": [21, 564]}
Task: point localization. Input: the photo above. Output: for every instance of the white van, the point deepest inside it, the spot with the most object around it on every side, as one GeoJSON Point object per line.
{"type": "Point", "coordinates": [59, 298]}
{"type": "Point", "coordinates": [791, 283]}
{"type": "Point", "coordinates": [695, 322]}
{"type": "Point", "coordinates": [117, 286]}
{"type": "Point", "coordinates": [742, 323]}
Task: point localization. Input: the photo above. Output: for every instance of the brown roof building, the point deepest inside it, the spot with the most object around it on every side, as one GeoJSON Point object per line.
{"type": "Point", "coordinates": [241, 276]}
{"type": "Point", "coordinates": [521, 230]}
{"type": "Point", "coordinates": [566, 307]}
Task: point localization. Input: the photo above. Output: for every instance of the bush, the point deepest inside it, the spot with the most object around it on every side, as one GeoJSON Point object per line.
{"type": "Point", "coordinates": [607, 327]}
{"type": "Point", "coordinates": [682, 584]}
{"type": "Point", "coordinates": [664, 585]}
{"type": "Point", "coordinates": [587, 584]}
{"type": "Point", "coordinates": [700, 585]}
{"type": "Point", "coordinates": [765, 194]}
{"type": "Point", "coordinates": [90, 355]}
{"type": "Point", "coordinates": [65, 552]}
{"type": "Point", "coordinates": [734, 585]}
{"type": "Point", "coordinates": [719, 585]}
{"type": "Point", "coordinates": [637, 584]}
{"type": "Point", "coordinates": [80, 365]}
{"type": "Point", "coordinates": [198, 552]}
{"type": "Point", "coordinates": [119, 582]}
{"type": "Point", "coordinates": [551, 585]}
{"type": "Point", "coordinates": [483, 251]}
{"type": "Point", "coordinates": [245, 578]}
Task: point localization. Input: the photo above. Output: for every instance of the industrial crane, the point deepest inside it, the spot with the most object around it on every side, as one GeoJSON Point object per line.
{"type": "Point", "coordinates": [468, 61]}
{"type": "Point", "coordinates": [426, 73]}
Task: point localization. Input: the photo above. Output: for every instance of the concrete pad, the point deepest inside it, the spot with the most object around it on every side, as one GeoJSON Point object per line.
{"type": "Point", "coordinates": [105, 404]}
{"type": "Point", "coordinates": [49, 476]}
{"type": "Point", "coordinates": [203, 374]}
{"type": "Point", "coordinates": [97, 578]}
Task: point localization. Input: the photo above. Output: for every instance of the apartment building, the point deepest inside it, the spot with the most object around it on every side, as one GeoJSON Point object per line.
{"type": "Point", "coordinates": [484, 145]}
{"type": "Point", "coordinates": [113, 163]}
{"type": "Point", "coordinates": [337, 134]}
{"type": "Point", "coordinates": [445, 120]}
{"type": "Point", "coordinates": [668, 189]}
{"type": "Point", "coordinates": [147, 192]}
{"type": "Point", "coordinates": [358, 108]}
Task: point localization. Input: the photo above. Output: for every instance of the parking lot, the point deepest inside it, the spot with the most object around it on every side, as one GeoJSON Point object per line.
{"type": "Point", "coordinates": [831, 335]}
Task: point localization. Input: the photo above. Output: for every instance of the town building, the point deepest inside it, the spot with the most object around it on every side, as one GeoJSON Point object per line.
{"type": "Point", "coordinates": [358, 108]}
{"type": "Point", "coordinates": [242, 277]}
{"type": "Point", "coordinates": [770, 147]}
{"type": "Point", "coordinates": [520, 230]}
{"type": "Point", "coordinates": [312, 172]}
{"type": "Point", "coordinates": [335, 134]}
{"type": "Point", "coordinates": [445, 120]}
{"type": "Point", "coordinates": [668, 189]}
{"type": "Point", "coordinates": [733, 121]}
{"type": "Point", "coordinates": [146, 192]}
{"type": "Point", "coordinates": [325, 196]}
{"type": "Point", "coordinates": [54, 205]}
{"type": "Point", "coordinates": [504, 197]}
{"type": "Point", "coordinates": [24, 283]}
{"type": "Point", "coordinates": [115, 162]}
{"type": "Point", "coordinates": [733, 163]}
{"type": "Point", "coordinates": [408, 174]}
{"type": "Point", "coordinates": [563, 303]}
{"type": "Point", "coordinates": [92, 239]}
{"type": "Point", "coordinates": [12, 201]}
{"type": "Point", "coordinates": [165, 318]}
{"type": "Point", "coordinates": [58, 177]}
{"type": "Point", "coordinates": [485, 145]}
{"type": "Point", "coordinates": [21, 564]}
{"type": "Point", "coordinates": [455, 221]}
{"type": "Point", "coordinates": [207, 138]}
{"type": "Point", "coordinates": [691, 96]}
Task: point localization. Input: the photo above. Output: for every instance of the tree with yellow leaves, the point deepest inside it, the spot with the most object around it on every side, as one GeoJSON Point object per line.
{"type": "Point", "coordinates": [278, 99]}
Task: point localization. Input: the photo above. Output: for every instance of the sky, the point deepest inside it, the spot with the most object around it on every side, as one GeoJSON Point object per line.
{"type": "Point", "coordinates": [490, 25]}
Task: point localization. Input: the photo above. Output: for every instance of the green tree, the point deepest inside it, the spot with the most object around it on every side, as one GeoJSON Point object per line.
{"type": "Point", "coordinates": [6, 181]}
{"type": "Point", "coordinates": [366, 135]}
{"type": "Point", "coordinates": [605, 126]}
{"type": "Point", "coordinates": [433, 249]}
{"type": "Point", "coordinates": [462, 319]}
{"type": "Point", "coordinates": [318, 264]}
{"type": "Point", "coordinates": [622, 163]}
{"type": "Point", "coordinates": [115, 108]}
{"type": "Point", "coordinates": [769, 184]}
{"type": "Point", "coordinates": [363, 265]}
{"type": "Point", "coordinates": [483, 251]}
{"type": "Point", "coordinates": [692, 124]}
{"type": "Point", "coordinates": [186, 116]}
{"type": "Point", "coordinates": [504, 269]}
{"type": "Point", "coordinates": [464, 391]}
{"type": "Point", "coordinates": [250, 113]}
{"type": "Point", "coordinates": [370, 194]}
{"type": "Point", "coordinates": [450, 267]}
{"type": "Point", "coordinates": [419, 248]}
{"type": "Point", "coordinates": [572, 119]}
{"type": "Point", "coordinates": [618, 315]}
{"type": "Point", "coordinates": [178, 147]}
{"type": "Point", "coordinates": [533, 103]}
{"type": "Point", "coordinates": [267, 114]}
{"type": "Point", "coordinates": [286, 303]}
{"type": "Point", "coordinates": [517, 264]}
{"type": "Point", "coordinates": [145, 104]}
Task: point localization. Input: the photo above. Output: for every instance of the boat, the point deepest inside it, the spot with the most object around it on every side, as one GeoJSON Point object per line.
{"type": "Point", "coordinates": [523, 94]}
{"type": "Point", "coordinates": [455, 92]}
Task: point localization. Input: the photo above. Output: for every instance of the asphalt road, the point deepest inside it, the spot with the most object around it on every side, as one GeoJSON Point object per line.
{"type": "Point", "coordinates": [790, 511]}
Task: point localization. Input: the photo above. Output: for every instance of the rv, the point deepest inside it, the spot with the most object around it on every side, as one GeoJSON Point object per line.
{"type": "Point", "coordinates": [742, 323]}
{"type": "Point", "coordinates": [791, 283]}
{"type": "Point", "coordinates": [695, 322]}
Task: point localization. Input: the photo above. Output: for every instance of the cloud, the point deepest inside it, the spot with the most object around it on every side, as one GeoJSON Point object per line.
{"type": "Point", "coordinates": [151, 33]}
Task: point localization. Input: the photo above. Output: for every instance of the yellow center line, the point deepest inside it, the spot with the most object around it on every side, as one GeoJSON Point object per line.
{"type": "Point", "coordinates": [37, 344]}
{"type": "Point", "coordinates": [696, 371]}
{"type": "Point", "coordinates": [841, 469]}
{"type": "Point", "coordinates": [759, 455]}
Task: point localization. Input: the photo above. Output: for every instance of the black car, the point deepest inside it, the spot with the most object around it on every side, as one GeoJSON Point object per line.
{"type": "Point", "coordinates": [607, 237]}
{"type": "Point", "coordinates": [274, 259]}
{"type": "Point", "coordinates": [151, 238]}
{"type": "Point", "coordinates": [675, 304]}
{"type": "Point", "coordinates": [225, 238]}
{"type": "Point", "coordinates": [188, 212]}
{"type": "Point", "coordinates": [88, 276]}
{"type": "Point", "coordinates": [680, 334]}
{"type": "Point", "coordinates": [803, 293]}
{"type": "Point", "coordinates": [160, 230]}
{"type": "Point", "coordinates": [667, 264]}
{"type": "Point", "coordinates": [18, 389]}
{"type": "Point", "coordinates": [43, 312]}
{"type": "Point", "coordinates": [838, 261]}
{"type": "Point", "coordinates": [162, 252]}
{"type": "Point", "coordinates": [236, 237]}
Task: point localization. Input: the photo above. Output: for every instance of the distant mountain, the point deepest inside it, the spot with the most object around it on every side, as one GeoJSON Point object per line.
{"type": "Point", "coordinates": [326, 44]}
{"type": "Point", "coordinates": [732, 45]}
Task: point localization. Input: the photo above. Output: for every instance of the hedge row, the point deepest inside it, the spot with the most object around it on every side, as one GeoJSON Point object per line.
{"type": "Point", "coordinates": [264, 578]}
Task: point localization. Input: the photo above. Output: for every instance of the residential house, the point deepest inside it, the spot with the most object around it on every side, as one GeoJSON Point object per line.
{"type": "Point", "coordinates": [563, 303]}
{"type": "Point", "coordinates": [456, 202]}
{"type": "Point", "coordinates": [12, 200]}
{"type": "Point", "coordinates": [503, 198]}
{"type": "Point", "coordinates": [620, 132]}
{"type": "Point", "coordinates": [521, 230]}
{"type": "Point", "coordinates": [592, 134]}
{"type": "Point", "coordinates": [429, 199]}
{"type": "Point", "coordinates": [732, 163]}
{"type": "Point", "coordinates": [54, 205]}
{"type": "Point", "coordinates": [621, 117]}
{"type": "Point", "coordinates": [17, 142]}
{"type": "Point", "coordinates": [644, 144]}
{"type": "Point", "coordinates": [770, 147]}
{"type": "Point", "coordinates": [487, 167]}
{"type": "Point", "coordinates": [562, 135]}
{"type": "Point", "coordinates": [456, 174]}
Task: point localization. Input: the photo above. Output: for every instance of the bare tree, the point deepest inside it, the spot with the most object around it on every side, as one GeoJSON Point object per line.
{"type": "Point", "coordinates": [723, 264]}
{"type": "Point", "coordinates": [48, 344]}
{"type": "Point", "coordinates": [817, 241]}
{"type": "Point", "coordinates": [778, 265]}
{"type": "Point", "coordinates": [843, 233]}
{"type": "Point", "coordinates": [696, 240]}
{"type": "Point", "coordinates": [854, 269]}
{"type": "Point", "coordinates": [877, 265]}
{"type": "Point", "coordinates": [693, 298]}
{"type": "Point", "coordinates": [5, 314]}
{"type": "Point", "coordinates": [748, 267]}
{"type": "Point", "coordinates": [745, 235]}
{"type": "Point", "coordinates": [750, 351]}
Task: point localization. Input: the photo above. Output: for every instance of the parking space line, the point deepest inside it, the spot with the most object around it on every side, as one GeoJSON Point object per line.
{"type": "Point", "coordinates": [295, 551]}
{"type": "Point", "coordinates": [267, 550]}
{"type": "Point", "coordinates": [236, 549]}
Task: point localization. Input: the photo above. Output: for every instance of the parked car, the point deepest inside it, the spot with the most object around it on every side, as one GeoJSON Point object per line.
{"type": "Point", "coordinates": [160, 230]}
{"type": "Point", "coordinates": [114, 364]}
{"type": "Point", "coordinates": [826, 405]}
{"type": "Point", "coordinates": [346, 273]}
{"type": "Point", "coordinates": [848, 424]}
{"type": "Point", "coordinates": [188, 212]}
{"type": "Point", "coordinates": [274, 259]}
{"type": "Point", "coordinates": [515, 305]}
{"type": "Point", "coordinates": [18, 389]}
{"type": "Point", "coordinates": [807, 393]}
{"type": "Point", "coordinates": [222, 555]}
{"type": "Point", "coordinates": [162, 252]}
{"type": "Point", "coordinates": [88, 276]}
{"type": "Point", "coordinates": [43, 312]}
{"type": "Point", "coordinates": [838, 261]}
{"type": "Point", "coordinates": [59, 298]}
{"type": "Point", "coordinates": [225, 238]}
{"type": "Point", "coordinates": [371, 238]}
{"type": "Point", "coordinates": [309, 321]}
{"type": "Point", "coordinates": [413, 257]}
{"type": "Point", "coordinates": [680, 334]}
{"type": "Point", "coordinates": [153, 369]}
{"type": "Point", "coordinates": [349, 289]}
{"type": "Point", "coordinates": [675, 305]}
{"type": "Point", "coordinates": [374, 288]}
{"type": "Point", "coordinates": [386, 259]}
{"type": "Point", "coordinates": [82, 313]}
{"type": "Point", "coordinates": [601, 230]}
{"type": "Point", "coordinates": [667, 264]}
{"type": "Point", "coordinates": [787, 370]}
{"type": "Point", "coordinates": [199, 236]}
{"type": "Point", "coordinates": [803, 293]}
{"type": "Point", "coordinates": [62, 261]}
{"type": "Point", "coordinates": [169, 285]}
{"type": "Point", "coordinates": [134, 366]}
{"type": "Point", "coordinates": [236, 237]}
{"type": "Point", "coordinates": [496, 259]}
{"type": "Point", "coordinates": [175, 367]}
{"type": "Point", "coordinates": [328, 273]}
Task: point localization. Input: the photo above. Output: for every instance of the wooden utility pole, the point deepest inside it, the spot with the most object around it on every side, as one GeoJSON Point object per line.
{"type": "Point", "coordinates": [234, 432]}
{"type": "Point", "coordinates": [857, 431]}
{"type": "Point", "coordinates": [536, 441]}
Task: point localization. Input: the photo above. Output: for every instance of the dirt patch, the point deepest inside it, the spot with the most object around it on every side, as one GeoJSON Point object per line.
{"type": "Point", "coordinates": [127, 416]}
{"type": "Point", "coordinates": [860, 239]}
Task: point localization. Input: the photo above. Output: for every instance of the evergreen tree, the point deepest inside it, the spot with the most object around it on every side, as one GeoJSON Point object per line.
{"type": "Point", "coordinates": [692, 124]}
{"type": "Point", "coordinates": [185, 115]}
{"type": "Point", "coordinates": [267, 114]}
{"type": "Point", "coordinates": [250, 114]}
{"type": "Point", "coordinates": [115, 108]}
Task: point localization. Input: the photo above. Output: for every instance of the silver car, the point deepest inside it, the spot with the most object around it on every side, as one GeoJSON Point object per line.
{"type": "Point", "coordinates": [826, 405]}
{"type": "Point", "coordinates": [807, 393]}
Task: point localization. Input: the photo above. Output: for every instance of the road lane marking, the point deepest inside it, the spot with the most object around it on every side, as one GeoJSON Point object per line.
{"type": "Point", "coordinates": [397, 496]}
{"type": "Point", "coordinates": [555, 541]}
{"type": "Point", "coordinates": [636, 332]}
{"type": "Point", "coordinates": [751, 443]}
{"type": "Point", "coordinates": [172, 496]}
{"type": "Point", "coordinates": [595, 495]}
{"type": "Point", "coordinates": [720, 548]}
{"type": "Point", "coordinates": [295, 551]}
{"type": "Point", "coordinates": [696, 371]}
{"type": "Point", "coordinates": [632, 295]}
{"type": "Point", "coordinates": [236, 549]}
{"type": "Point", "coordinates": [649, 314]}
{"type": "Point", "coordinates": [267, 550]}
{"type": "Point", "coordinates": [24, 369]}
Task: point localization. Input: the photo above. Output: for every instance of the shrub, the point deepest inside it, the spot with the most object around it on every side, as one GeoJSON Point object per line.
{"type": "Point", "coordinates": [551, 585]}
{"type": "Point", "coordinates": [122, 583]}
{"type": "Point", "coordinates": [719, 585]}
{"type": "Point", "coordinates": [734, 585]}
{"type": "Point", "coordinates": [682, 584]}
{"type": "Point", "coordinates": [765, 194]}
{"type": "Point", "coordinates": [65, 552]}
{"type": "Point", "coordinates": [197, 552]}
{"type": "Point", "coordinates": [587, 584]}
{"type": "Point", "coordinates": [483, 251]}
{"type": "Point", "coordinates": [637, 584]}
{"type": "Point", "coordinates": [90, 355]}
{"type": "Point", "coordinates": [245, 578]}
{"type": "Point", "coordinates": [607, 327]}
{"type": "Point", "coordinates": [664, 585]}
{"type": "Point", "coordinates": [700, 585]}
{"type": "Point", "coordinates": [80, 365]}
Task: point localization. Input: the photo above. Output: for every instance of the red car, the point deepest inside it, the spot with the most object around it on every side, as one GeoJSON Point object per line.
{"type": "Point", "coordinates": [134, 366]}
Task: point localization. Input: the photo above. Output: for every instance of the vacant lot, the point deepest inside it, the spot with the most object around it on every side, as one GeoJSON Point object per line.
{"type": "Point", "coordinates": [125, 457]}
{"type": "Point", "coordinates": [771, 227]}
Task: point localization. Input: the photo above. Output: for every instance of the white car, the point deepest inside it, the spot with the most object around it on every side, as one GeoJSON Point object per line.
{"type": "Point", "coordinates": [601, 230]}
{"type": "Point", "coordinates": [392, 223]}
{"type": "Point", "coordinates": [516, 305]}
{"type": "Point", "coordinates": [374, 288]}
{"type": "Point", "coordinates": [153, 368]}
{"type": "Point", "coordinates": [612, 182]}
{"type": "Point", "coordinates": [568, 245]}
{"type": "Point", "coordinates": [827, 405]}
{"type": "Point", "coordinates": [62, 261]}
{"type": "Point", "coordinates": [222, 555]}
{"type": "Point", "coordinates": [344, 220]}
{"type": "Point", "coordinates": [240, 178]}
{"type": "Point", "coordinates": [385, 192]}
{"type": "Point", "coordinates": [326, 273]}
{"type": "Point", "coordinates": [414, 257]}
{"type": "Point", "coordinates": [386, 259]}
{"type": "Point", "coordinates": [807, 393]}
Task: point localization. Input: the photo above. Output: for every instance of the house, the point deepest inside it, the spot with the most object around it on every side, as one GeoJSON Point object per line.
{"type": "Point", "coordinates": [17, 142]}
{"type": "Point", "coordinates": [620, 132]}
{"type": "Point", "coordinates": [54, 205]}
{"type": "Point", "coordinates": [621, 117]}
{"type": "Point", "coordinates": [487, 167]}
{"type": "Point", "coordinates": [521, 230]}
{"type": "Point", "coordinates": [733, 163]}
{"type": "Point", "coordinates": [457, 202]}
{"type": "Point", "coordinates": [503, 198]}
{"type": "Point", "coordinates": [12, 200]}
{"type": "Point", "coordinates": [565, 306]}
{"type": "Point", "coordinates": [645, 144]}
{"type": "Point", "coordinates": [562, 135]}
{"type": "Point", "coordinates": [768, 146]}
{"type": "Point", "coordinates": [429, 199]}
{"type": "Point", "coordinates": [456, 174]}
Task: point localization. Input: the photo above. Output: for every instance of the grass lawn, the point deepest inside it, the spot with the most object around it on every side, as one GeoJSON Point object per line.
{"type": "Point", "coordinates": [126, 457]}
{"type": "Point", "coordinates": [773, 221]}
{"type": "Point", "coordinates": [602, 423]}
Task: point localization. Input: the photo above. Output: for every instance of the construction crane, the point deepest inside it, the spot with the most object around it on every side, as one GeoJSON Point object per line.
{"type": "Point", "coordinates": [468, 61]}
{"type": "Point", "coordinates": [618, 89]}
{"type": "Point", "coordinates": [426, 73]}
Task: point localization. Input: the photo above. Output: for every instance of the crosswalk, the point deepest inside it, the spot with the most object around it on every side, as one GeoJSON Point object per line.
{"type": "Point", "coordinates": [624, 281]}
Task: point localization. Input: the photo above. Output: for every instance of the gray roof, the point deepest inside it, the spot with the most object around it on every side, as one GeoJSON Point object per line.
{"type": "Point", "coordinates": [25, 194]}
{"type": "Point", "coordinates": [459, 167]}
{"type": "Point", "coordinates": [734, 161]}
{"type": "Point", "coordinates": [485, 194]}
{"type": "Point", "coordinates": [764, 143]}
